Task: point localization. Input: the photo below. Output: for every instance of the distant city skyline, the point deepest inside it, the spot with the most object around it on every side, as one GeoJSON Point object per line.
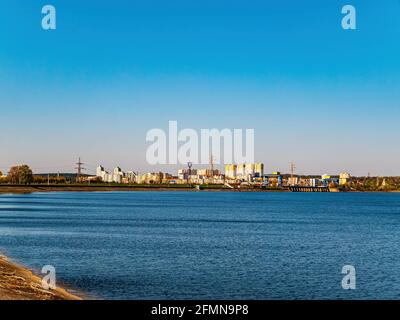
{"type": "Point", "coordinates": [325, 98]}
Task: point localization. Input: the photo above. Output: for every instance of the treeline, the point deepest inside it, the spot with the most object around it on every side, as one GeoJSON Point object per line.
{"type": "Point", "coordinates": [18, 175]}
{"type": "Point", "coordinates": [23, 175]}
{"type": "Point", "coordinates": [373, 184]}
{"type": "Point", "coordinates": [50, 179]}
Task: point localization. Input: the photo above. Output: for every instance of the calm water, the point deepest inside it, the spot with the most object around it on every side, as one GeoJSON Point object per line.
{"type": "Point", "coordinates": [209, 245]}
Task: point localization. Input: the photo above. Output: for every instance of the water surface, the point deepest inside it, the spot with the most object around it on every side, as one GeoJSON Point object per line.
{"type": "Point", "coordinates": [209, 245]}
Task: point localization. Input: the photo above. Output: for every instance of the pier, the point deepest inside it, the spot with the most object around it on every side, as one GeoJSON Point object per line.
{"type": "Point", "coordinates": [308, 189]}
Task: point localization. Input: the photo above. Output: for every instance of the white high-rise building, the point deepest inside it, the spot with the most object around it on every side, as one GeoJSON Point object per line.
{"type": "Point", "coordinates": [105, 176]}
{"type": "Point", "coordinates": [118, 175]}
{"type": "Point", "coordinates": [230, 171]}
{"type": "Point", "coordinates": [259, 169]}
{"type": "Point", "coordinates": [241, 170]}
{"type": "Point", "coordinates": [132, 176]}
{"type": "Point", "coordinates": [100, 171]}
{"type": "Point", "coordinates": [249, 169]}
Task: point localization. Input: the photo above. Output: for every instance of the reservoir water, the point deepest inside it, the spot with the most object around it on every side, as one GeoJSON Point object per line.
{"type": "Point", "coordinates": [208, 245]}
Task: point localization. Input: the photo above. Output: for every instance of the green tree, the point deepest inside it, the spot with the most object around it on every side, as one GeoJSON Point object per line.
{"type": "Point", "coordinates": [20, 175]}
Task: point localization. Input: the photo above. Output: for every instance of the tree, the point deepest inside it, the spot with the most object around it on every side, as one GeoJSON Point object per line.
{"type": "Point", "coordinates": [20, 175]}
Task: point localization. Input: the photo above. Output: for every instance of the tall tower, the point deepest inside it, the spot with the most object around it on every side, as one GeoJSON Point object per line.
{"type": "Point", "coordinates": [211, 165]}
{"type": "Point", "coordinates": [189, 164]}
{"type": "Point", "coordinates": [79, 169]}
{"type": "Point", "coordinates": [292, 168]}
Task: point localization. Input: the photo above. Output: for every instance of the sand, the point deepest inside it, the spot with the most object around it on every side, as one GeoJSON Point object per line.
{"type": "Point", "coordinates": [18, 283]}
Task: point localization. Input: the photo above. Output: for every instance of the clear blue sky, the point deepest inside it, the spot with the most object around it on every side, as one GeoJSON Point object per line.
{"type": "Point", "coordinates": [315, 94]}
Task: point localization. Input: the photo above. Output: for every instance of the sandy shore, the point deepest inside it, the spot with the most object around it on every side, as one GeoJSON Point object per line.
{"type": "Point", "coordinates": [18, 283]}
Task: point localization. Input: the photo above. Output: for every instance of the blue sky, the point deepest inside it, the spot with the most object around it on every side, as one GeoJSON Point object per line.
{"type": "Point", "coordinates": [325, 98]}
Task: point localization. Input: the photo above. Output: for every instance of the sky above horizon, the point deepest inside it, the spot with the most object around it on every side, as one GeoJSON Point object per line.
{"type": "Point", "coordinates": [325, 98]}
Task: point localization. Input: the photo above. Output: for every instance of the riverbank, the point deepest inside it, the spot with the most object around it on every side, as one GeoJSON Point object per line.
{"type": "Point", "coordinates": [22, 189]}
{"type": "Point", "coordinates": [19, 283]}
{"type": "Point", "coordinates": [106, 188]}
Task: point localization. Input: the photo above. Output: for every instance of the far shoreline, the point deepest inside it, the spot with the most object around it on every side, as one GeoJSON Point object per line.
{"type": "Point", "coordinates": [22, 189]}
{"type": "Point", "coordinates": [28, 189]}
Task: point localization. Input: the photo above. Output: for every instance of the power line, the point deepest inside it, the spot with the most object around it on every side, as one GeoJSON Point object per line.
{"type": "Point", "coordinates": [79, 169]}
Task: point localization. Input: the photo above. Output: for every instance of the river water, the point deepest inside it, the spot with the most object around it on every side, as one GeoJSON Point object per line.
{"type": "Point", "coordinates": [208, 245]}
